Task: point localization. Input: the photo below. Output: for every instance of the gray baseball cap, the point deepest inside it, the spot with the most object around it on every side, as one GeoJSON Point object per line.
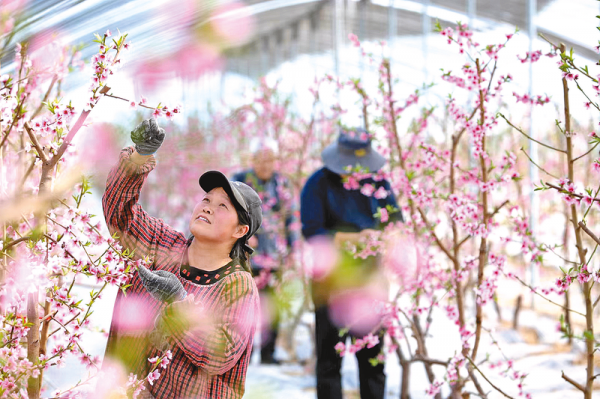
{"type": "Point", "coordinates": [241, 195]}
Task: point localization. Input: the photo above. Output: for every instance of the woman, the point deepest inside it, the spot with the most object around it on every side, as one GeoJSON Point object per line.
{"type": "Point", "coordinates": [199, 299]}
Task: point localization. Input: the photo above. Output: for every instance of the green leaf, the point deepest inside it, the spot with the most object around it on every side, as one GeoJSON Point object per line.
{"type": "Point", "coordinates": [374, 362]}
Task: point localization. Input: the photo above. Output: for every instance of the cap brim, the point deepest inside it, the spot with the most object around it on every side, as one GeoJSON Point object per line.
{"type": "Point", "coordinates": [337, 161]}
{"type": "Point", "coordinates": [213, 179]}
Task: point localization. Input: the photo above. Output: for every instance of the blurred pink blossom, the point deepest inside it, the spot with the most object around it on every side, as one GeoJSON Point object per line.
{"type": "Point", "coordinates": [189, 62]}
{"type": "Point", "coordinates": [322, 258]}
{"type": "Point", "coordinates": [232, 22]}
{"type": "Point", "coordinates": [132, 316]}
{"type": "Point", "coordinates": [356, 309]}
{"type": "Point", "coordinates": [403, 257]}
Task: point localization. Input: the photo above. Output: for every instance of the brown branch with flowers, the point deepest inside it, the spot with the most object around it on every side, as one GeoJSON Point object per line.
{"type": "Point", "coordinates": [579, 244]}
{"type": "Point", "coordinates": [35, 340]}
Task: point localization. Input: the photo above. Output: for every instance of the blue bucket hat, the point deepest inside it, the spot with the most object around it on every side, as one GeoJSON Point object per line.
{"type": "Point", "coordinates": [352, 148]}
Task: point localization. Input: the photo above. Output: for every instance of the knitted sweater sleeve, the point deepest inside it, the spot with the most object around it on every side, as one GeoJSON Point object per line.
{"type": "Point", "coordinates": [215, 342]}
{"type": "Point", "coordinates": [136, 230]}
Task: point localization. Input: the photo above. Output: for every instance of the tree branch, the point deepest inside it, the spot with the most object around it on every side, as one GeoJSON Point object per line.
{"type": "Point", "coordinates": [435, 237]}
{"type": "Point", "coordinates": [589, 232]}
{"type": "Point", "coordinates": [41, 106]}
{"type": "Point", "coordinates": [529, 137]}
{"type": "Point", "coordinates": [15, 242]}
{"type": "Point", "coordinates": [563, 191]}
{"type": "Point", "coordinates": [36, 143]}
{"type": "Point", "coordinates": [590, 150]}
{"type": "Point", "coordinates": [124, 99]}
{"type": "Point", "coordinates": [549, 300]}
{"type": "Point", "coordinates": [423, 359]}
{"type": "Point", "coordinates": [572, 382]}
{"type": "Point", "coordinates": [538, 166]}
{"type": "Point", "coordinates": [488, 381]}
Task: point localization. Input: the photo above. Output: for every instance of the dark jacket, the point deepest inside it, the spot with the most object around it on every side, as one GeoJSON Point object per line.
{"type": "Point", "coordinates": [326, 207]}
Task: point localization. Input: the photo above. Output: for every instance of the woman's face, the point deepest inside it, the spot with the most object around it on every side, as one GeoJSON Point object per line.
{"type": "Point", "coordinates": [215, 219]}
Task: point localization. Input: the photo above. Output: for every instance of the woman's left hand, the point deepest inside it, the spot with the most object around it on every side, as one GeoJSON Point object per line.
{"type": "Point", "coordinates": [162, 285]}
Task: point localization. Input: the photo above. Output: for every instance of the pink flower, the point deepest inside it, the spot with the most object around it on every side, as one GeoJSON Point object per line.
{"type": "Point", "coordinates": [108, 34]}
{"type": "Point", "coordinates": [367, 190]}
{"type": "Point", "coordinates": [384, 215]}
{"type": "Point", "coordinates": [340, 348]}
{"type": "Point", "coordinates": [381, 193]}
{"type": "Point", "coordinates": [562, 181]}
{"type": "Point", "coordinates": [354, 39]}
{"type": "Point", "coordinates": [132, 105]}
{"type": "Point", "coordinates": [153, 376]}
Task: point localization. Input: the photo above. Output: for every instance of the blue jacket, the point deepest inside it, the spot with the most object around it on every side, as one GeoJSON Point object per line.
{"type": "Point", "coordinates": [326, 207]}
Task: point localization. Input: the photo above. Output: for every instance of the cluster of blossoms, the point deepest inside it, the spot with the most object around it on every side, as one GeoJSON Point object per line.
{"type": "Point", "coordinates": [534, 56]}
{"type": "Point", "coordinates": [104, 65]}
{"type": "Point", "coordinates": [507, 370]}
{"type": "Point", "coordinates": [571, 194]}
{"type": "Point", "coordinates": [485, 292]}
{"type": "Point", "coordinates": [527, 99]}
{"type": "Point", "coordinates": [460, 36]}
{"type": "Point", "coordinates": [49, 250]}
{"type": "Point", "coordinates": [581, 274]}
{"type": "Point", "coordinates": [368, 341]}
{"type": "Point", "coordinates": [74, 248]}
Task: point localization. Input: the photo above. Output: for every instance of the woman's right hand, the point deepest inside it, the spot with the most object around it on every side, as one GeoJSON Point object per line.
{"type": "Point", "coordinates": [147, 137]}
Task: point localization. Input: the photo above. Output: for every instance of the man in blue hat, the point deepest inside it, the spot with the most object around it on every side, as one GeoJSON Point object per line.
{"type": "Point", "coordinates": [332, 213]}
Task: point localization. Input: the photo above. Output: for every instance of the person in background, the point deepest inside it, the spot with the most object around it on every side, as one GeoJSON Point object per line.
{"type": "Point", "coordinates": [274, 241]}
{"type": "Point", "coordinates": [331, 213]}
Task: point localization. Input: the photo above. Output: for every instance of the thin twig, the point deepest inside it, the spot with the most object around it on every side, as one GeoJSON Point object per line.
{"type": "Point", "coordinates": [572, 382]}
{"type": "Point", "coordinates": [561, 257]}
{"type": "Point", "coordinates": [495, 211]}
{"type": "Point", "coordinates": [563, 191]}
{"type": "Point", "coordinates": [485, 378]}
{"type": "Point", "coordinates": [590, 150]}
{"type": "Point", "coordinates": [529, 137]}
{"type": "Point", "coordinates": [124, 99]}
{"type": "Point", "coordinates": [548, 41]}
{"type": "Point", "coordinates": [41, 106]}
{"type": "Point", "coordinates": [435, 237]}
{"type": "Point", "coordinates": [538, 166]}
{"type": "Point", "coordinates": [15, 242]}
{"type": "Point", "coordinates": [589, 232]}
{"type": "Point", "coordinates": [420, 358]}
{"type": "Point", "coordinates": [549, 300]}
{"type": "Point", "coordinates": [476, 383]}
{"type": "Point", "coordinates": [36, 143]}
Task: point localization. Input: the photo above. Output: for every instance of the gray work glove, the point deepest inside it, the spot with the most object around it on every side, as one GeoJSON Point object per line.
{"type": "Point", "coordinates": [147, 137]}
{"type": "Point", "coordinates": [162, 285]}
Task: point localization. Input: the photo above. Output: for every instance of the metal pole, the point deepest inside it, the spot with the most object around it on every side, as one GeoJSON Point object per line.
{"type": "Point", "coordinates": [392, 28]}
{"type": "Point", "coordinates": [471, 12]}
{"type": "Point", "coordinates": [533, 147]}
{"type": "Point", "coordinates": [338, 32]}
{"type": "Point", "coordinates": [426, 30]}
